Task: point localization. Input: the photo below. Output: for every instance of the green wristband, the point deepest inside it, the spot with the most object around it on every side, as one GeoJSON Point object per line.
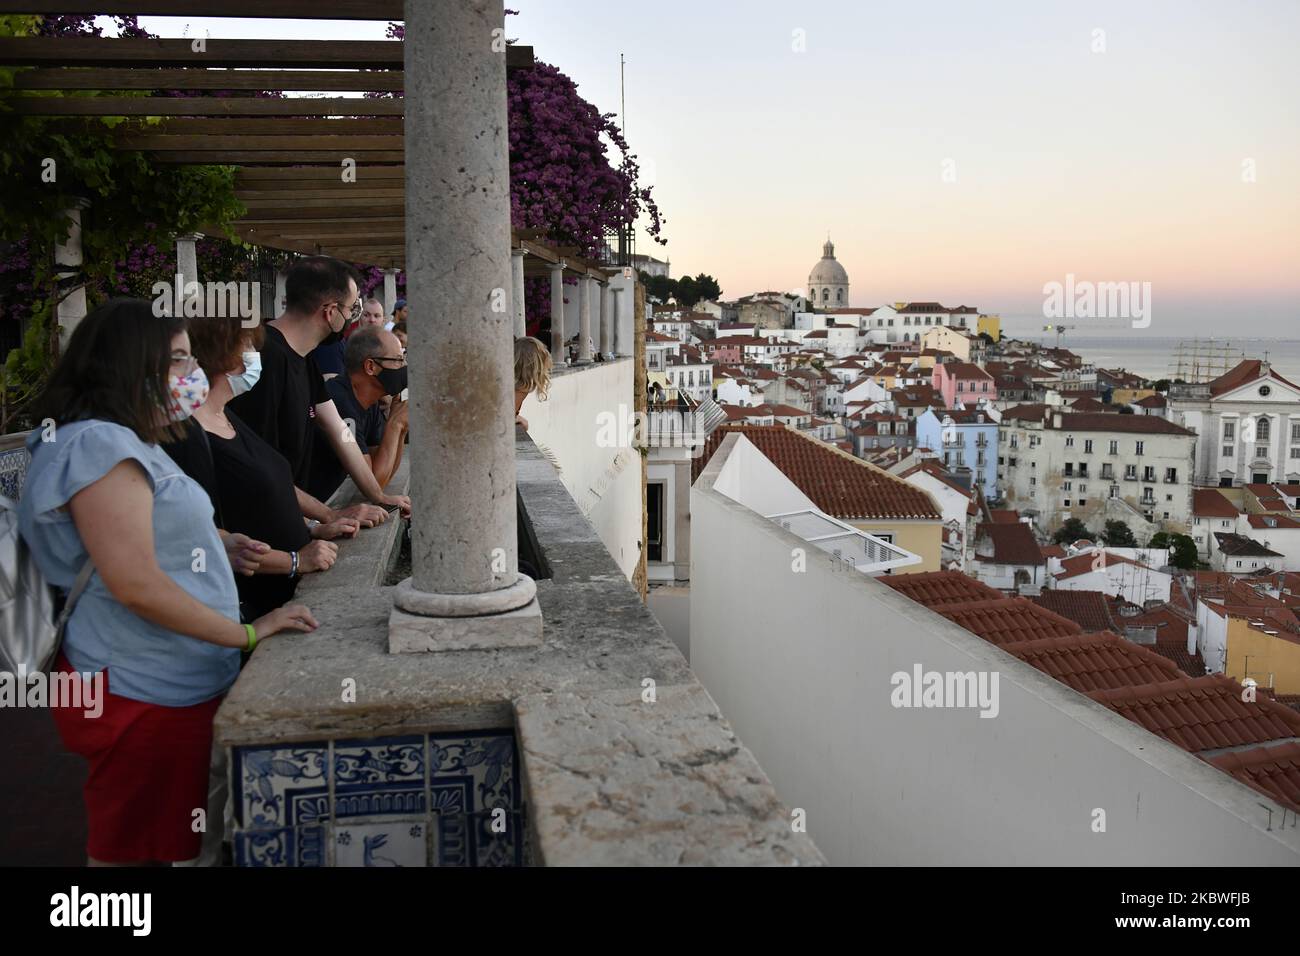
{"type": "Point", "coordinates": [252, 638]}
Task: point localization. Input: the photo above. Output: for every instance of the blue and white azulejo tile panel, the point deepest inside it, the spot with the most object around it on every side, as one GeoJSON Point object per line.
{"type": "Point", "coordinates": [283, 847]}
{"type": "Point", "coordinates": [385, 841]}
{"type": "Point", "coordinates": [13, 470]}
{"type": "Point", "coordinates": [383, 775]}
{"type": "Point", "coordinates": [415, 800]}
{"type": "Point", "coordinates": [283, 786]}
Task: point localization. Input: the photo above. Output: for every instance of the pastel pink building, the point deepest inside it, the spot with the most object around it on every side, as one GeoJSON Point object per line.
{"type": "Point", "coordinates": [723, 350]}
{"type": "Point", "coordinates": [962, 382]}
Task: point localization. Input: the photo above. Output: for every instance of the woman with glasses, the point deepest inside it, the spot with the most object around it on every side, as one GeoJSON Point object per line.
{"type": "Point", "coordinates": [159, 619]}
{"type": "Point", "coordinates": [248, 481]}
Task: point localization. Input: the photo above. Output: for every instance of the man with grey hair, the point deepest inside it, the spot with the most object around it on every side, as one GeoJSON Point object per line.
{"type": "Point", "coordinates": [374, 367]}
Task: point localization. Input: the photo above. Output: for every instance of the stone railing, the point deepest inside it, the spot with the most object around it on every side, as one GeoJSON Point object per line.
{"type": "Point", "coordinates": [597, 747]}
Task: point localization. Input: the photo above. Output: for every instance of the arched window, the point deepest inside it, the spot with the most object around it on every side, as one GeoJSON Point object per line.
{"type": "Point", "coordinates": [1261, 428]}
{"type": "Point", "coordinates": [839, 295]}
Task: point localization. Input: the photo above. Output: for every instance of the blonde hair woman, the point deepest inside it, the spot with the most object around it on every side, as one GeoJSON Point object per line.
{"type": "Point", "coordinates": [532, 373]}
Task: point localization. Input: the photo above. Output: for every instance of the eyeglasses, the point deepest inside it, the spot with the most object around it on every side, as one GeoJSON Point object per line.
{"type": "Point", "coordinates": [390, 358]}
{"type": "Point", "coordinates": [354, 313]}
{"type": "Point", "coordinates": [188, 363]}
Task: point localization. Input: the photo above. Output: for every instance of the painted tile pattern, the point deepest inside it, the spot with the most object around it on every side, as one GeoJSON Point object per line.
{"type": "Point", "coordinates": [419, 800]}
{"type": "Point", "coordinates": [13, 471]}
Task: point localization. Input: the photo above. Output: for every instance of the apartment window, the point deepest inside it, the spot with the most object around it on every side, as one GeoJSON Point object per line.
{"type": "Point", "coordinates": [1114, 447]}
{"type": "Point", "coordinates": [1141, 447]}
{"type": "Point", "coordinates": [1087, 446]}
{"type": "Point", "coordinates": [1067, 502]}
{"type": "Point", "coordinates": [1131, 472]}
{"type": "Point", "coordinates": [1083, 489]}
{"type": "Point", "coordinates": [655, 499]}
{"type": "Point", "coordinates": [1069, 468]}
{"type": "Point", "coordinates": [1083, 469]}
{"type": "Point", "coordinates": [1149, 473]}
{"type": "Point", "coordinates": [1229, 431]}
{"type": "Point", "coordinates": [1114, 491]}
{"type": "Point", "coordinates": [1227, 451]}
{"type": "Point", "coordinates": [1169, 497]}
{"type": "Point", "coordinates": [1069, 441]}
{"type": "Point", "coordinates": [1033, 480]}
{"type": "Point", "coordinates": [1166, 515]}
{"type": "Point", "coordinates": [1084, 501]}
{"type": "Point", "coordinates": [1066, 486]}
{"type": "Point", "coordinates": [1171, 475]}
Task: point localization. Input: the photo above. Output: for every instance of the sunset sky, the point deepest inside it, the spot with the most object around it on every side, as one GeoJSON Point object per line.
{"type": "Point", "coordinates": [1122, 165]}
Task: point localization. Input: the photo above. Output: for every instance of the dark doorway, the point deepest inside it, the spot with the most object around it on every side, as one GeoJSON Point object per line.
{"type": "Point", "coordinates": [654, 492]}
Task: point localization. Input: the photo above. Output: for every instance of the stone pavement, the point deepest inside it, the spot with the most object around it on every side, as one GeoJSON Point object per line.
{"type": "Point", "coordinates": [42, 818]}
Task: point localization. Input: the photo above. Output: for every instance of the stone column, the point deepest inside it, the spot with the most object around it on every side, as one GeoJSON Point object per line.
{"type": "Point", "coordinates": [390, 292]}
{"type": "Point", "coordinates": [68, 261]}
{"type": "Point", "coordinates": [584, 320]}
{"type": "Point", "coordinates": [187, 268]}
{"type": "Point", "coordinates": [465, 590]}
{"type": "Point", "coordinates": [559, 354]}
{"type": "Point", "coordinates": [517, 291]}
{"type": "Point", "coordinates": [606, 340]}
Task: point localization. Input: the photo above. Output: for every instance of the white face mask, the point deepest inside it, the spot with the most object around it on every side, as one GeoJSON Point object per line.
{"type": "Point", "coordinates": [244, 381]}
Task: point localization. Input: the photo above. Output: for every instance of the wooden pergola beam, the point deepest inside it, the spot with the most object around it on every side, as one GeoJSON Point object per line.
{"type": "Point", "coordinates": [279, 9]}
{"type": "Point", "coordinates": [309, 177]}
{"type": "Point", "coordinates": [250, 157]}
{"type": "Point", "coordinates": [180, 52]}
{"type": "Point", "coordinates": [201, 106]}
{"type": "Point", "coordinates": [316, 81]}
{"type": "Point", "coordinates": [217, 142]}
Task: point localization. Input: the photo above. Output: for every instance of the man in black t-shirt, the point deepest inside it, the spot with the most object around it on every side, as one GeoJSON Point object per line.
{"type": "Point", "coordinates": [375, 367]}
{"type": "Point", "coordinates": [289, 406]}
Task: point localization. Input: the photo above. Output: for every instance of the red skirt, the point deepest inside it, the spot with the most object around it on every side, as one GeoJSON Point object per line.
{"type": "Point", "coordinates": [148, 775]}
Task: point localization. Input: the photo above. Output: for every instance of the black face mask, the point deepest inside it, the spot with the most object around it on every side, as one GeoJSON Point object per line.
{"type": "Point", "coordinates": [393, 379]}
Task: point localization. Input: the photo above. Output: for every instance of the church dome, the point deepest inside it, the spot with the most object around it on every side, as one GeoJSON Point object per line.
{"type": "Point", "coordinates": [828, 271]}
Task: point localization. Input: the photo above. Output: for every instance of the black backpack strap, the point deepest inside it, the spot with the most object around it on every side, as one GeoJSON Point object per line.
{"type": "Point", "coordinates": [74, 595]}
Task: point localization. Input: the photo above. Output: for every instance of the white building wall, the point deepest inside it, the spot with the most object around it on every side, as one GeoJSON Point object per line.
{"type": "Point", "coordinates": [801, 664]}
{"type": "Point", "coordinates": [604, 481]}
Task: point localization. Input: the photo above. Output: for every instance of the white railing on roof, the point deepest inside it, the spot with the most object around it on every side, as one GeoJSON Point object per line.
{"type": "Point", "coordinates": [865, 552]}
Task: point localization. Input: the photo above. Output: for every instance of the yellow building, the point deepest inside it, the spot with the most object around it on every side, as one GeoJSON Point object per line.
{"type": "Point", "coordinates": [1127, 396]}
{"type": "Point", "coordinates": [948, 340]}
{"type": "Point", "coordinates": [1263, 652]}
{"type": "Point", "coordinates": [990, 325]}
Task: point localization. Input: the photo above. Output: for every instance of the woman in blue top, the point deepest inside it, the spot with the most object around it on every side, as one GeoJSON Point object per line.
{"type": "Point", "coordinates": [160, 616]}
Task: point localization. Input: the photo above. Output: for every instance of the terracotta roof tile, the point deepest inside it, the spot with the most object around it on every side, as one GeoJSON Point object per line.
{"type": "Point", "coordinates": [1090, 662]}
{"type": "Point", "coordinates": [1245, 372]}
{"type": "Point", "coordinates": [1272, 770]}
{"type": "Point", "coordinates": [838, 483]}
{"type": "Point", "coordinates": [1013, 543]}
{"type": "Point", "coordinates": [940, 587]}
{"type": "Point", "coordinates": [1209, 503]}
{"type": "Point", "coordinates": [1006, 620]}
{"type": "Point", "coordinates": [1202, 713]}
{"type": "Point", "coordinates": [1091, 610]}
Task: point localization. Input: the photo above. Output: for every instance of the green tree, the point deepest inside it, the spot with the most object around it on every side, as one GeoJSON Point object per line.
{"type": "Point", "coordinates": [1118, 535]}
{"type": "Point", "coordinates": [1159, 540]}
{"type": "Point", "coordinates": [707, 288]}
{"type": "Point", "coordinates": [661, 287]}
{"type": "Point", "coordinates": [1183, 552]}
{"type": "Point", "coordinates": [687, 293]}
{"type": "Point", "coordinates": [1070, 532]}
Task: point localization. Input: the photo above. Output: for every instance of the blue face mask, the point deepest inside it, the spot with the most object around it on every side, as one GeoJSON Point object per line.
{"type": "Point", "coordinates": [243, 382]}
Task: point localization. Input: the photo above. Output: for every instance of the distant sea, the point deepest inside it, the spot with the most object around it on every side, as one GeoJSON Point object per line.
{"type": "Point", "coordinates": [1157, 356]}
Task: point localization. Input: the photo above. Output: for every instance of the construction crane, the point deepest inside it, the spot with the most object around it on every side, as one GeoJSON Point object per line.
{"type": "Point", "coordinates": [1059, 330]}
